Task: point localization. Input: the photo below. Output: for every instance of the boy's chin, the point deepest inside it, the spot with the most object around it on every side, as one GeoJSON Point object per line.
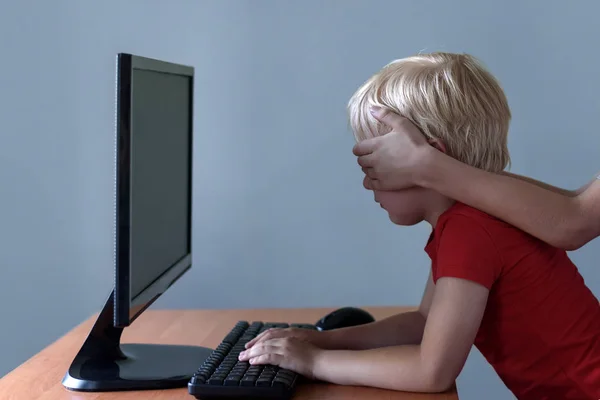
{"type": "Point", "coordinates": [405, 220]}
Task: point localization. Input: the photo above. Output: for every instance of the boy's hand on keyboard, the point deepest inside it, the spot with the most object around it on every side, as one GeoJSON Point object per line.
{"type": "Point", "coordinates": [314, 337]}
{"type": "Point", "coordinates": [290, 353]}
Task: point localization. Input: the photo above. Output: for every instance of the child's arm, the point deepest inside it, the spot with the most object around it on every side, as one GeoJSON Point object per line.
{"type": "Point", "coordinates": [433, 366]}
{"type": "Point", "coordinates": [400, 329]}
{"type": "Point", "coordinates": [404, 328]}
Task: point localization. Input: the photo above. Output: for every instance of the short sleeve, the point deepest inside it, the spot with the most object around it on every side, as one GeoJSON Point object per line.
{"type": "Point", "coordinates": [466, 251]}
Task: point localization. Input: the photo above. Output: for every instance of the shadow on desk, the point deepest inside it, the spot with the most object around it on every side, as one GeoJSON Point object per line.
{"type": "Point", "coordinates": [40, 377]}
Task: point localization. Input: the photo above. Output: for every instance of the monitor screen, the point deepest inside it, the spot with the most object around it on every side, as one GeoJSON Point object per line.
{"type": "Point", "coordinates": [160, 198]}
{"type": "Point", "coordinates": [153, 181]}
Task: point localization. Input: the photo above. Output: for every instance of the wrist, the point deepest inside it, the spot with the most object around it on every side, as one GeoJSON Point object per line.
{"type": "Point", "coordinates": [326, 339]}
{"type": "Point", "coordinates": [425, 173]}
{"type": "Point", "coordinates": [339, 367]}
{"type": "Point", "coordinates": [319, 366]}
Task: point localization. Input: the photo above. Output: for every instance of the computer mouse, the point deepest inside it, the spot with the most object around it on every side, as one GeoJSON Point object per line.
{"type": "Point", "coordinates": [344, 317]}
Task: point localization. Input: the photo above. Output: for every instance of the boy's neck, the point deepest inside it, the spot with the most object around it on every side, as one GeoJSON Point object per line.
{"type": "Point", "coordinates": [436, 206]}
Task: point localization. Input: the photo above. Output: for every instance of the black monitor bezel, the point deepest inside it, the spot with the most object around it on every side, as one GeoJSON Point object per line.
{"type": "Point", "coordinates": [127, 309]}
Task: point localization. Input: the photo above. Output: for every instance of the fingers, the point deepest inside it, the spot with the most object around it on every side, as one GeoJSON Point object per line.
{"type": "Point", "coordinates": [260, 337]}
{"type": "Point", "coordinates": [255, 340]}
{"type": "Point", "coordinates": [365, 147]}
{"type": "Point", "coordinates": [366, 161]}
{"type": "Point", "coordinates": [288, 353]}
{"type": "Point", "coordinates": [258, 350]}
{"type": "Point", "coordinates": [387, 117]}
{"type": "Point", "coordinates": [272, 359]}
{"type": "Point", "coordinates": [369, 172]}
{"type": "Point", "coordinates": [271, 333]}
{"type": "Point", "coordinates": [272, 347]}
{"type": "Point", "coordinates": [372, 184]}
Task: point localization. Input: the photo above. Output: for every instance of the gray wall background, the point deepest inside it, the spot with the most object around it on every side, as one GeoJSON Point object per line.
{"type": "Point", "coordinates": [280, 213]}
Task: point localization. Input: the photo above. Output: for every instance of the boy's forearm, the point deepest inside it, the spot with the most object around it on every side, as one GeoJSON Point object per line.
{"type": "Point", "coordinates": [404, 328]}
{"type": "Point", "coordinates": [397, 368]}
{"type": "Point", "coordinates": [550, 215]}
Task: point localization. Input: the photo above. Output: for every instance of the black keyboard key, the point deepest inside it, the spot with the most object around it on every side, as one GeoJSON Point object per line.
{"type": "Point", "coordinates": [248, 381]}
{"type": "Point", "coordinates": [284, 378]}
{"type": "Point", "coordinates": [268, 374]}
{"type": "Point", "coordinates": [286, 375]}
{"type": "Point", "coordinates": [232, 380]}
{"type": "Point", "coordinates": [240, 368]}
{"type": "Point", "coordinates": [263, 382]}
{"type": "Point", "coordinates": [254, 328]}
{"type": "Point", "coordinates": [282, 382]}
{"type": "Point", "coordinates": [268, 378]}
{"type": "Point", "coordinates": [216, 380]}
{"type": "Point", "coordinates": [222, 371]}
{"type": "Point", "coordinates": [236, 332]}
{"type": "Point", "coordinates": [239, 374]}
{"type": "Point", "coordinates": [210, 366]}
{"type": "Point", "coordinates": [256, 368]}
{"type": "Point", "coordinates": [286, 371]}
{"type": "Point", "coordinates": [203, 372]}
{"type": "Point", "coordinates": [227, 365]}
{"type": "Point", "coordinates": [214, 359]}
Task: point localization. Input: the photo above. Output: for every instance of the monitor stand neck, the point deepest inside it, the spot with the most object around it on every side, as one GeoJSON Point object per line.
{"type": "Point", "coordinates": [104, 364]}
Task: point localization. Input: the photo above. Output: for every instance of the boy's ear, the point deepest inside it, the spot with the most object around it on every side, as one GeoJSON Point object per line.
{"type": "Point", "coordinates": [438, 144]}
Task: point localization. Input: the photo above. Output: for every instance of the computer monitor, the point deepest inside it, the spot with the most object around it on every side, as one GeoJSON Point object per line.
{"type": "Point", "coordinates": [153, 188]}
{"type": "Point", "coordinates": [153, 204]}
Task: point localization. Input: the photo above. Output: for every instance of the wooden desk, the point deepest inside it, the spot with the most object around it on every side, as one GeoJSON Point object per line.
{"type": "Point", "coordinates": [40, 377]}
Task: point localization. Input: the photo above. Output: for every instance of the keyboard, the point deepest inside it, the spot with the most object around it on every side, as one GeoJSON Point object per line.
{"type": "Point", "coordinates": [222, 376]}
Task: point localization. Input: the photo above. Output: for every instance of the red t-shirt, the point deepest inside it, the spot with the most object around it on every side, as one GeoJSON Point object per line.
{"type": "Point", "coordinates": [541, 327]}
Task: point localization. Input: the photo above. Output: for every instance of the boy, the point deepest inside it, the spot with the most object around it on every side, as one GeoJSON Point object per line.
{"type": "Point", "coordinates": [520, 301]}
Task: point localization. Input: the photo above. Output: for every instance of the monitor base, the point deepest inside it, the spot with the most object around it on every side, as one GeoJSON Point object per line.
{"type": "Point", "coordinates": [104, 364]}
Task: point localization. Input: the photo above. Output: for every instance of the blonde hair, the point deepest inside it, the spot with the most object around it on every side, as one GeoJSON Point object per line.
{"type": "Point", "coordinates": [449, 97]}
